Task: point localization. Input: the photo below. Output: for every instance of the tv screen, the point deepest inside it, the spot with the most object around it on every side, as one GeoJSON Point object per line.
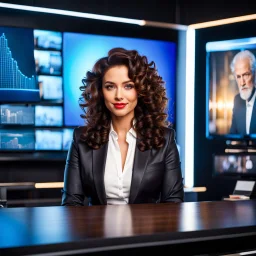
{"type": "Point", "coordinates": [48, 62]}
{"type": "Point", "coordinates": [18, 81]}
{"type": "Point", "coordinates": [81, 51]}
{"type": "Point", "coordinates": [48, 116]}
{"type": "Point", "coordinates": [235, 165]}
{"type": "Point", "coordinates": [67, 138]}
{"type": "Point", "coordinates": [50, 88]}
{"type": "Point", "coordinates": [17, 114]}
{"type": "Point", "coordinates": [49, 40]}
{"type": "Point", "coordinates": [229, 108]}
{"type": "Point", "coordinates": [17, 140]}
{"type": "Point", "coordinates": [48, 140]}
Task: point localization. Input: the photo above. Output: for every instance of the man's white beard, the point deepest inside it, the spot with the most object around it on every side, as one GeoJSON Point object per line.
{"type": "Point", "coordinates": [245, 95]}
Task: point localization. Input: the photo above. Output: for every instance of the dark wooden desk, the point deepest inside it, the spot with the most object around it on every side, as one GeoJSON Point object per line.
{"type": "Point", "coordinates": [194, 228]}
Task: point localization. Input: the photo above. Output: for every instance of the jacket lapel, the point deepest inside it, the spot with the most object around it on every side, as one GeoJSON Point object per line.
{"type": "Point", "coordinates": [98, 166]}
{"type": "Point", "coordinates": [139, 167]}
{"type": "Point", "coordinates": [242, 117]}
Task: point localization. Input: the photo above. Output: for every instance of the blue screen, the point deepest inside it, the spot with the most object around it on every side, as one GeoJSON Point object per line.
{"type": "Point", "coordinates": [44, 39]}
{"type": "Point", "coordinates": [81, 51]}
{"type": "Point", "coordinates": [17, 66]}
{"type": "Point", "coordinates": [50, 87]}
{"type": "Point", "coordinates": [48, 62]}
{"type": "Point", "coordinates": [17, 140]}
{"type": "Point", "coordinates": [17, 114]}
{"type": "Point", "coordinates": [48, 116]}
{"type": "Point", "coordinates": [48, 140]}
{"type": "Point", "coordinates": [67, 138]}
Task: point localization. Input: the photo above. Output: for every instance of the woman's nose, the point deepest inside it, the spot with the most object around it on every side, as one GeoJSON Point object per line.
{"type": "Point", "coordinates": [118, 95]}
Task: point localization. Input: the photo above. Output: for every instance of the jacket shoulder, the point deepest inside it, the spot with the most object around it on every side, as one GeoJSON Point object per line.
{"type": "Point", "coordinates": [77, 132]}
{"type": "Point", "coordinates": [169, 132]}
{"type": "Point", "coordinates": [238, 98]}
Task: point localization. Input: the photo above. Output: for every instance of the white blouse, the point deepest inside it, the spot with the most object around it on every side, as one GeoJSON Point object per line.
{"type": "Point", "coordinates": [118, 182]}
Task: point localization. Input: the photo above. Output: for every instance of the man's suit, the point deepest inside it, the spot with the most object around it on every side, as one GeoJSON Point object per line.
{"type": "Point", "coordinates": [238, 125]}
{"type": "Point", "coordinates": [156, 174]}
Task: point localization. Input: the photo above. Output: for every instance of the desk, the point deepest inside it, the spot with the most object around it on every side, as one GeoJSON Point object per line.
{"type": "Point", "coordinates": [191, 228]}
{"type": "Point", "coordinates": [190, 194]}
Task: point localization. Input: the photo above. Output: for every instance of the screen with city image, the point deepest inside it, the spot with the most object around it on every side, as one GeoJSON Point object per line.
{"type": "Point", "coordinates": [230, 79]}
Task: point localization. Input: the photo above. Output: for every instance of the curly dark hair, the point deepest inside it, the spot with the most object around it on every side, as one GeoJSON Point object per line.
{"type": "Point", "coordinates": [150, 114]}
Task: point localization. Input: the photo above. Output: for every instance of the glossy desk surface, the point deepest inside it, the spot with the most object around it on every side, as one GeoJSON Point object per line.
{"type": "Point", "coordinates": [197, 226]}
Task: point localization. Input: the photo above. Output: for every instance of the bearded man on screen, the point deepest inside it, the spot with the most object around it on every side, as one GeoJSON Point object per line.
{"type": "Point", "coordinates": [243, 67]}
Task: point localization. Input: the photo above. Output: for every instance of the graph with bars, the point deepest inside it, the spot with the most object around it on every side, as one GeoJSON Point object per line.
{"type": "Point", "coordinates": [10, 75]}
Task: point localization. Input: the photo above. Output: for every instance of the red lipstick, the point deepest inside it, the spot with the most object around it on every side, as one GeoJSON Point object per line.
{"type": "Point", "coordinates": [119, 105]}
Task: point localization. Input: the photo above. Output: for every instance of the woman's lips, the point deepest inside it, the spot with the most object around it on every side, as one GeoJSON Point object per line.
{"type": "Point", "coordinates": [119, 105]}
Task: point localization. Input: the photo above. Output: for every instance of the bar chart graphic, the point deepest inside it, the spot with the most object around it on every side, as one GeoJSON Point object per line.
{"type": "Point", "coordinates": [14, 85]}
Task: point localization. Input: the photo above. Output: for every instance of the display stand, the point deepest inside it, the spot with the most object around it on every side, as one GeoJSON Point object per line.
{"type": "Point", "coordinates": [244, 190]}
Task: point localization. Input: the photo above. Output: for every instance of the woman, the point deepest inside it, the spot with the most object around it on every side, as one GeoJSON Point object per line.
{"type": "Point", "coordinates": [126, 154]}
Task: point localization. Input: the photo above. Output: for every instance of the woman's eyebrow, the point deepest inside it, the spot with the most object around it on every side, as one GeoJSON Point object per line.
{"type": "Point", "coordinates": [129, 81]}
{"type": "Point", "coordinates": [125, 82]}
{"type": "Point", "coordinates": [108, 82]}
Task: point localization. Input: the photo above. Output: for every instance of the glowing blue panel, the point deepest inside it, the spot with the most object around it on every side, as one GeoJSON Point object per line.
{"type": "Point", "coordinates": [81, 51]}
{"type": "Point", "coordinates": [48, 140]}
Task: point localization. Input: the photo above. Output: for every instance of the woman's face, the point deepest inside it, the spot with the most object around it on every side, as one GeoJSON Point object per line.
{"type": "Point", "coordinates": [119, 92]}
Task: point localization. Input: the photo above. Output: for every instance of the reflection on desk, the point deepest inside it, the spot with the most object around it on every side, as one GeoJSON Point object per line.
{"type": "Point", "coordinates": [200, 228]}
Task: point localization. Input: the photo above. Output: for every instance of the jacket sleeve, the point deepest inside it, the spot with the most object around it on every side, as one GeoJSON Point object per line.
{"type": "Point", "coordinates": [72, 192]}
{"type": "Point", "coordinates": [173, 188]}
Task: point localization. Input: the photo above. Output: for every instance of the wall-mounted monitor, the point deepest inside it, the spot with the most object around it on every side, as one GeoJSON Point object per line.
{"type": "Point", "coordinates": [239, 166]}
{"type": "Point", "coordinates": [18, 81]}
{"type": "Point", "coordinates": [50, 88]}
{"type": "Point", "coordinates": [48, 140]}
{"type": "Point", "coordinates": [230, 112]}
{"type": "Point", "coordinates": [81, 51]}
{"type": "Point", "coordinates": [17, 115]}
{"type": "Point", "coordinates": [67, 138]}
{"type": "Point", "coordinates": [17, 140]}
{"type": "Point", "coordinates": [48, 62]}
{"type": "Point", "coordinates": [48, 116]}
{"type": "Point", "coordinates": [47, 40]}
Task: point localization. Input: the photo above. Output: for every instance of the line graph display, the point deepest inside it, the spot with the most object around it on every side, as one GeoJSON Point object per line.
{"type": "Point", "coordinates": [18, 82]}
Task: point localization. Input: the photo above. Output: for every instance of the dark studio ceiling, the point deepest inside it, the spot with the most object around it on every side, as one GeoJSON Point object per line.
{"type": "Point", "coordinates": [171, 11]}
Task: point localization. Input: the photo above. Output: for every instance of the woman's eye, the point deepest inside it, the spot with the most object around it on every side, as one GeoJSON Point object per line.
{"type": "Point", "coordinates": [129, 86]}
{"type": "Point", "coordinates": [109, 87]}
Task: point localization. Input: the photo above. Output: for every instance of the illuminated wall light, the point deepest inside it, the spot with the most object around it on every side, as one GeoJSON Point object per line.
{"type": "Point", "coordinates": [165, 25]}
{"type": "Point", "coordinates": [223, 21]}
{"type": "Point", "coordinates": [189, 116]}
{"type": "Point", "coordinates": [49, 185]}
{"type": "Point", "coordinates": [195, 189]}
{"type": "Point", "coordinates": [72, 13]}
